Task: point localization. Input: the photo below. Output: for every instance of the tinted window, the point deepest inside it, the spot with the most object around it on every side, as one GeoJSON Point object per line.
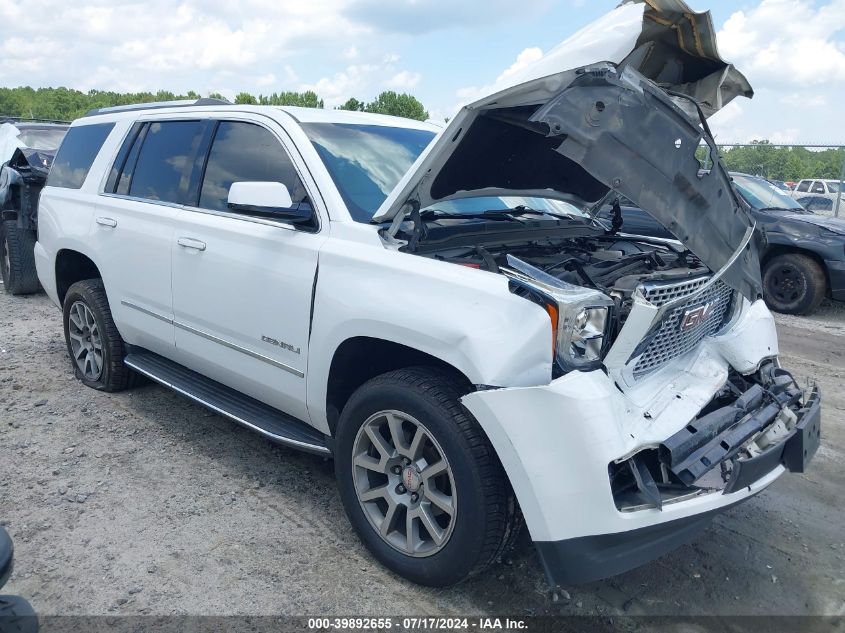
{"type": "Point", "coordinates": [818, 187]}
{"type": "Point", "coordinates": [245, 152]}
{"type": "Point", "coordinates": [833, 187]}
{"type": "Point", "coordinates": [163, 168]}
{"type": "Point", "coordinates": [804, 185]}
{"type": "Point", "coordinates": [76, 154]}
{"type": "Point", "coordinates": [366, 161]}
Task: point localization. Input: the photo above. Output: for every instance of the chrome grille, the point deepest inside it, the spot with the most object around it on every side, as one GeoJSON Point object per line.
{"type": "Point", "coordinates": [671, 341]}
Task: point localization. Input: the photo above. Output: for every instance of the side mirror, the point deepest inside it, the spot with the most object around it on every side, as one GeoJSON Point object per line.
{"type": "Point", "coordinates": [268, 200]}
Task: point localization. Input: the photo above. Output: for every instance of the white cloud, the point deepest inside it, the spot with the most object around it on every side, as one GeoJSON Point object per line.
{"type": "Point", "coordinates": [523, 59]}
{"type": "Point", "coordinates": [787, 42]}
{"type": "Point", "coordinates": [793, 52]}
{"type": "Point", "coordinates": [404, 80]}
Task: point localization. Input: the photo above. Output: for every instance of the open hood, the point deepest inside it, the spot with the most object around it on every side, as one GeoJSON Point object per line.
{"type": "Point", "coordinates": [618, 105]}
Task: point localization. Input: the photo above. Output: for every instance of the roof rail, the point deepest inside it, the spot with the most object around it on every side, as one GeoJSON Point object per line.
{"type": "Point", "coordinates": [155, 105]}
{"type": "Point", "coordinates": [20, 119]}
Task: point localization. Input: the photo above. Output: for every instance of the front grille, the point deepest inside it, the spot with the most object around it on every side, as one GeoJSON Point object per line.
{"type": "Point", "coordinates": [671, 341]}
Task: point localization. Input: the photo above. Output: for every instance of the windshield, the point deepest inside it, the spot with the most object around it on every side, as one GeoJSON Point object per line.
{"type": "Point", "coordinates": [42, 138]}
{"type": "Point", "coordinates": [833, 186]}
{"type": "Point", "coordinates": [366, 162]}
{"type": "Point", "coordinates": [761, 194]}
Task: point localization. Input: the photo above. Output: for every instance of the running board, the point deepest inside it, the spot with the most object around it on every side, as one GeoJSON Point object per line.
{"type": "Point", "coordinates": [253, 414]}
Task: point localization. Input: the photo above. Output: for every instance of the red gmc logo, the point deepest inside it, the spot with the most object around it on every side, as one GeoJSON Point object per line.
{"type": "Point", "coordinates": [695, 316]}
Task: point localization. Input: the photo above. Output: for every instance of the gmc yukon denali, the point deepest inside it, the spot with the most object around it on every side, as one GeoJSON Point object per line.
{"type": "Point", "coordinates": [436, 309]}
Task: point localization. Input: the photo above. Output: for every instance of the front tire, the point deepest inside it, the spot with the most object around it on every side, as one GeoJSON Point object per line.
{"type": "Point", "coordinates": [794, 283]}
{"type": "Point", "coordinates": [17, 260]}
{"type": "Point", "coordinates": [419, 480]}
{"type": "Point", "coordinates": [94, 345]}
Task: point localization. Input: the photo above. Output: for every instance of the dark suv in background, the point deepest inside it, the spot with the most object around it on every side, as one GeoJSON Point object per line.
{"type": "Point", "coordinates": [27, 149]}
{"type": "Point", "coordinates": [805, 258]}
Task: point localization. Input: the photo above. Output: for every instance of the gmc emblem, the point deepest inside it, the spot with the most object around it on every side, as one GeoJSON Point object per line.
{"type": "Point", "coordinates": [695, 316]}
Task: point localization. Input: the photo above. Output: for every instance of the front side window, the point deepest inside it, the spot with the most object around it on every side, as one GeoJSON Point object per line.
{"type": "Point", "coordinates": [818, 187]}
{"type": "Point", "coordinates": [165, 159]}
{"type": "Point", "coordinates": [76, 155]}
{"type": "Point", "coordinates": [246, 152]}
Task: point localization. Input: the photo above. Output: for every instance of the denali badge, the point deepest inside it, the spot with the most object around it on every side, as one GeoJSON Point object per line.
{"type": "Point", "coordinates": [281, 344]}
{"type": "Point", "coordinates": [695, 316]}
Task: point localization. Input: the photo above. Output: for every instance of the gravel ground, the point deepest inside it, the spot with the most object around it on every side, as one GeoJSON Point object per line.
{"type": "Point", "coordinates": [143, 503]}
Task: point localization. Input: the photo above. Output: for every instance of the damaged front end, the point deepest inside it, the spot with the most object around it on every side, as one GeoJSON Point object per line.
{"type": "Point", "coordinates": [753, 425]}
{"type": "Point", "coordinates": [21, 182]}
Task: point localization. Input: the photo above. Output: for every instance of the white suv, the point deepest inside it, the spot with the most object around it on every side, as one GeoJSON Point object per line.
{"type": "Point", "coordinates": [438, 310]}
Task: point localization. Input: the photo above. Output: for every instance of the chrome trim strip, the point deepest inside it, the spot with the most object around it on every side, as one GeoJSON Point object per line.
{"type": "Point", "coordinates": [215, 339]}
{"type": "Point", "coordinates": [238, 348]}
{"type": "Point", "coordinates": [155, 315]}
{"type": "Point", "coordinates": [314, 448]}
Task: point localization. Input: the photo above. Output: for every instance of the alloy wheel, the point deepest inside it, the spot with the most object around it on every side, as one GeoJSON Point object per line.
{"type": "Point", "coordinates": [85, 342]}
{"type": "Point", "coordinates": [404, 483]}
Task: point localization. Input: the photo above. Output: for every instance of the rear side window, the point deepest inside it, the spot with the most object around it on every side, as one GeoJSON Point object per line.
{"type": "Point", "coordinates": [804, 185]}
{"type": "Point", "coordinates": [164, 161]}
{"type": "Point", "coordinates": [76, 155]}
{"type": "Point", "coordinates": [245, 152]}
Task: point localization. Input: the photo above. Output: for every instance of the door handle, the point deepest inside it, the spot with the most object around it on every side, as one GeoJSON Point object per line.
{"type": "Point", "coordinates": [107, 222]}
{"type": "Point", "coordinates": [189, 242]}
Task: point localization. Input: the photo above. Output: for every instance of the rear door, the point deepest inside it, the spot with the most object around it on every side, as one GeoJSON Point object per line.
{"type": "Point", "coordinates": [134, 223]}
{"type": "Point", "coordinates": [242, 285]}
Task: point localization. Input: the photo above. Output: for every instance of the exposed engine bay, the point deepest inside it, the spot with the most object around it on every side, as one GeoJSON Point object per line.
{"type": "Point", "coordinates": [613, 265]}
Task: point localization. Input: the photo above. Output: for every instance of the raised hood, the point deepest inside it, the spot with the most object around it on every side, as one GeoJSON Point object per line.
{"type": "Point", "coordinates": [605, 109]}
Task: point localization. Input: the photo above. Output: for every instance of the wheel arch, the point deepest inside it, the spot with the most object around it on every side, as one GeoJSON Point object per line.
{"type": "Point", "coordinates": [72, 266]}
{"type": "Point", "coordinates": [360, 358]}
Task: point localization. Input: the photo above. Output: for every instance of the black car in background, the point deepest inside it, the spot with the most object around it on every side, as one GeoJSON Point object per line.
{"type": "Point", "coordinates": [805, 258]}
{"type": "Point", "coordinates": [27, 149]}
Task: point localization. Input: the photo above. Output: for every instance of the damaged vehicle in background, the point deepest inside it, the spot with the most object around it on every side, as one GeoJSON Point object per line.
{"type": "Point", "coordinates": [27, 149]}
{"type": "Point", "coordinates": [804, 258]}
{"type": "Point", "coordinates": [437, 310]}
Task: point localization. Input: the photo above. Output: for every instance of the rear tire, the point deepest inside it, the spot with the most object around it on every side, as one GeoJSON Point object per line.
{"type": "Point", "coordinates": [17, 260]}
{"type": "Point", "coordinates": [483, 516]}
{"type": "Point", "coordinates": [794, 283]}
{"type": "Point", "coordinates": [94, 345]}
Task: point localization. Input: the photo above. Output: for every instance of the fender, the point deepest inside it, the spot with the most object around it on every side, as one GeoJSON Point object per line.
{"type": "Point", "coordinates": [464, 317]}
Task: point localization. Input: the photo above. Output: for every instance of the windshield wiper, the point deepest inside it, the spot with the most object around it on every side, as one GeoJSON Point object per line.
{"type": "Point", "coordinates": [493, 214]}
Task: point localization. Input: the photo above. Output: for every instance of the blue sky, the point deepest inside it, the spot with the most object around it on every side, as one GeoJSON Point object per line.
{"type": "Point", "coordinates": [792, 50]}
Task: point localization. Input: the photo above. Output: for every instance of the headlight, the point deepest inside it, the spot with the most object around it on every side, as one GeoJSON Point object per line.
{"type": "Point", "coordinates": [583, 331]}
{"type": "Point", "coordinates": [581, 317]}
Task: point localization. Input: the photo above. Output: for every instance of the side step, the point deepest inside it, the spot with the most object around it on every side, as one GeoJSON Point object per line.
{"type": "Point", "coordinates": [256, 415]}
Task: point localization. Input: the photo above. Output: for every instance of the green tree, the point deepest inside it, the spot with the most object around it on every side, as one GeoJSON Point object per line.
{"type": "Point", "coordinates": [307, 99]}
{"type": "Point", "coordinates": [353, 104]}
{"type": "Point", "coordinates": [403, 105]}
{"type": "Point", "coordinates": [245, 98]}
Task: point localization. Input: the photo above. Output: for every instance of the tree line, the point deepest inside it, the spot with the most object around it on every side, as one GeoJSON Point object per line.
{"type": "Point", "coordinates": [66, 104]}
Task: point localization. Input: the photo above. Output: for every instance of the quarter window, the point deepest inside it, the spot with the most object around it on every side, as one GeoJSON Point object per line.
{"type": "Point", "coordinates": [76, 155]}
{"type": "Point", "coordinates": [163, 167]}
{"type": "Point", "coordinates": [246, 152]}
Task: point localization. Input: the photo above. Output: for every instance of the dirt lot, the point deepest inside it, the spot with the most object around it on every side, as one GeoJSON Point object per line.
{"type": "Point", "coordinates": [143, 503]}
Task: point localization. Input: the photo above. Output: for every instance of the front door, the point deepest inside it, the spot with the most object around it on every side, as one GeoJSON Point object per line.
{"type": "Point", "coordinates": [242, 285]}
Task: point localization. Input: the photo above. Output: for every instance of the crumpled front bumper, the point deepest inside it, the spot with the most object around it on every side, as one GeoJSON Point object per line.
{"type": "Point", "coordinates": [556, 443]}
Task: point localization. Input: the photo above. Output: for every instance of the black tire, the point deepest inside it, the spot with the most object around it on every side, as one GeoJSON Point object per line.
{"type": "Point", "coordinates": [114, 375]}
{"type": "Point", "coordinates": [17, 616]}
{"type": "Point", "coordinates": [794, 283]}
{"type": "Point", "coordinates": [487, 516]}
{"type": "Point", "coordinates": [17, 260]}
